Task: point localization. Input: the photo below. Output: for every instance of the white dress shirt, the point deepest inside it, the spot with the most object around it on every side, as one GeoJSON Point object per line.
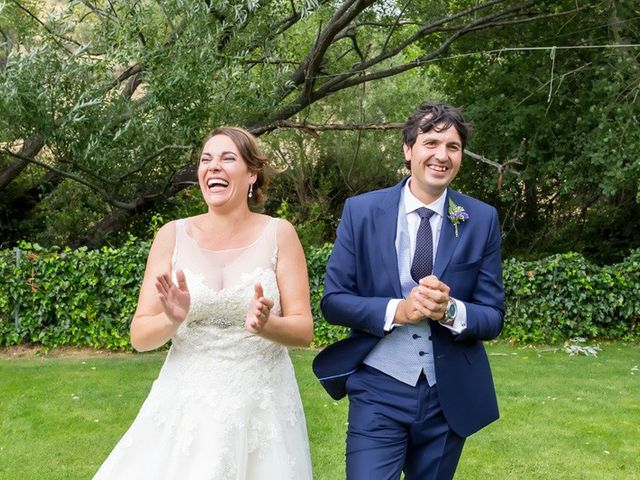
{"type": "Point", "coordinates": [411, 204]}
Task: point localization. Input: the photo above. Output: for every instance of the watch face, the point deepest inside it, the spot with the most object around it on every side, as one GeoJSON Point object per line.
{"type": "Point", "coordinates": [452, 309]}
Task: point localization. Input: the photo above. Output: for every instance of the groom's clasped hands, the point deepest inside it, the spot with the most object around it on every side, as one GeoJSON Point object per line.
{"type": "Point", "coordinates": [427, 300]}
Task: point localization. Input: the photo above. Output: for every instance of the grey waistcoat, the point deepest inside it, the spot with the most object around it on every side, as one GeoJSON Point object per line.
{"type": "Point", "coordinates": [406, 350]}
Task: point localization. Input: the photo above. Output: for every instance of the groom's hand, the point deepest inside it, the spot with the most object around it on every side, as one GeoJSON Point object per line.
{"type": "Point", "coordinates": [427, 300]}
{"type": "Point", "coordinates": [437, 296]}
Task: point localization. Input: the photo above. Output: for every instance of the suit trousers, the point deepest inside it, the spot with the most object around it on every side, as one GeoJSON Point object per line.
{"type": "Point", "coordinates": [396, 427]}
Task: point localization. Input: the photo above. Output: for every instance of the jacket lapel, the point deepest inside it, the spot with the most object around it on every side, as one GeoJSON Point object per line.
{"type": "Point", "coordinates": [448, 241]}
{"type": "Point", "coordinates": [386, 222]}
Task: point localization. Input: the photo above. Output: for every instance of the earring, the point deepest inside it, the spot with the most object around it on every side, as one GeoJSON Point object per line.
{"type": "Point", "coordinates": [250, 190]}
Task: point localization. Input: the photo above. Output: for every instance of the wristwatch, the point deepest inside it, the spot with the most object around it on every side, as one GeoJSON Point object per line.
{"type": "Point", "coordinates": [450, 312]}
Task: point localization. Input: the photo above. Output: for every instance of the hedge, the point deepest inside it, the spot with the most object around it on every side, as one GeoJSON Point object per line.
{"type": "Point", "coordinates": [82, 297]}
{"type": "Point", "coordinates": [78, 298]}
{"type": "Point", "coordinates": [564, 296]}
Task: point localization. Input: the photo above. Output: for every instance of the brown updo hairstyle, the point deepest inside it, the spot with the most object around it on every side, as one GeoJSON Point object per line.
{"type": "Point", "coordinates": [253, 156]}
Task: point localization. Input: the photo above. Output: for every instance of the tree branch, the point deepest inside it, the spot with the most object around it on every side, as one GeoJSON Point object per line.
{"type": "Point", "coordinates": [305, 73]}
{"type": "Point", "coordinates": [134, 71]}
{"type": "Point", "coordinates": [30, 148]}
{"type": "Point", "coordinates": [106, 196]}
{"type": "Point", "coordinates": [345, 80]}
{"type": "Point", "coordinates": [99, 12]}
{"type": "Point", "coordinates": [129, 72]}
{"type": "Point", "coordinates": [146, 160]}
{"type": "Point", "coordinates": [395, 25]}
{"type": "Point", "coordinates": [501, 167]}
{"type": "Point", "coordinates": [54, 35]}
{"type": "Point", "coordinates": [519, 21]}
{"type": "Point", "coordinates": [355, 76]}
{"type": "Point", "coordinates": [312, 129]}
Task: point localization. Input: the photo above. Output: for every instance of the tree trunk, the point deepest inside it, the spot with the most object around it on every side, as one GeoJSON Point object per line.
{"type": "Point", "coordinates": [21, 204]}
{"type": "Point", "coordinates": [30, 149]}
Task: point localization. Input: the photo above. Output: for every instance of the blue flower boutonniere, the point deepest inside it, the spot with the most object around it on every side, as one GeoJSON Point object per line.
{"type": "Point", "coordinates": [456, 215]}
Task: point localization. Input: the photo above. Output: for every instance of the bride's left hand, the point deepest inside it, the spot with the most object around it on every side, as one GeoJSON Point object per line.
{"type": "Point", "coordinates": [259, 311]}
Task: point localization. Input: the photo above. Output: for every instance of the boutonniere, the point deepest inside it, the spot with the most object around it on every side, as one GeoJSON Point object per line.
{"type": "Point", "coordinates": [456, 215]}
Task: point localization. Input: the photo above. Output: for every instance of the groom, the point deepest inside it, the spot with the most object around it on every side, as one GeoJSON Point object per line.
{"type": "Point", "coordinates": [416, 274]}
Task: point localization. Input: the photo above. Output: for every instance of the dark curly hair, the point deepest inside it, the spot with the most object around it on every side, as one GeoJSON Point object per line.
{"type": "Point", "coordinates": [434, 116]}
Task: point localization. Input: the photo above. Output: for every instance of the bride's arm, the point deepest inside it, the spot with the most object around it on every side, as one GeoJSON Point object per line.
{"type": "Point", "coordinates": [151, 326]}
{"type": "Point", "coordinates": [295, 326]}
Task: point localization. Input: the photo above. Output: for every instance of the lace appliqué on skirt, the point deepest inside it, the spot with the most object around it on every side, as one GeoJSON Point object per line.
{"type": "Point", "coordinates": [225, 404]}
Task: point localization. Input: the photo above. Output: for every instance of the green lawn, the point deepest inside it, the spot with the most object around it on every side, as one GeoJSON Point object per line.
{"type": "Point", "coordinates": [562, 417]}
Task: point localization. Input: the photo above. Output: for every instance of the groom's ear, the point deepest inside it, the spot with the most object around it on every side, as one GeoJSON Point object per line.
{"type": "Point", "coordinates": [407, 152]}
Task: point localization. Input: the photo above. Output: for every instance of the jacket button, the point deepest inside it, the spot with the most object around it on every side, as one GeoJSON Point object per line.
{"type": "Point", "coordinates": [415, 335]}
{"type": "Point", "coordinates": [421, 354]}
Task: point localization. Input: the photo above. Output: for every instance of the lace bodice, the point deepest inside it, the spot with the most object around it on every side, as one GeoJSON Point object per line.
{"type": "Point", "coordinates": [221, 284]}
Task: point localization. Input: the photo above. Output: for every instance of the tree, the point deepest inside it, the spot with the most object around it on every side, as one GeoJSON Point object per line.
{"type": "Point", "coordinates": [564, 104]}
{"type": "Point", "coordinates": [105, 103]}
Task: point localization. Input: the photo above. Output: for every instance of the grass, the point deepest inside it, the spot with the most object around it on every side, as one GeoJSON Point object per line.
{"type": "Point", "coordinates": [562, 417]}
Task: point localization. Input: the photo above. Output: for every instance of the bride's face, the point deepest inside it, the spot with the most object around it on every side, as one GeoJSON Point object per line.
{"type": "Point", "coordinates": [223, 174]}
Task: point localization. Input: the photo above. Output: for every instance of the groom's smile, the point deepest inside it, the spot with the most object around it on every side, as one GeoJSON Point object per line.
{"type": "Point", "coordinates": [435, 160]}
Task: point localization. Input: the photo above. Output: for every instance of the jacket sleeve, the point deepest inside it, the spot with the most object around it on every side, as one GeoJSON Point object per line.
{"type": "Point", "coordinates": [344, 302]}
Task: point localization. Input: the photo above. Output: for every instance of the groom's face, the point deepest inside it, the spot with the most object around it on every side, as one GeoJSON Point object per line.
{"type": "Point", "coordinates": [435, 160]}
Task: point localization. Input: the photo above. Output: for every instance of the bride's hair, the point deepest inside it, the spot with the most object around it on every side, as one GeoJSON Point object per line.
{"type": "Point", "coordinates": [251, 153]}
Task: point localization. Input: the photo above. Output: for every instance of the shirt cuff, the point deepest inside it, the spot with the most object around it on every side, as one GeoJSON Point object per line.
{"type": "Point", "coordinates": [390, 314]}
{"type": "Point", "coordinates": [460, 323]}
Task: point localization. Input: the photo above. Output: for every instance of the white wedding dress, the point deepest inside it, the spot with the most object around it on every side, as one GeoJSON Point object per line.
{"type": "Point", "coordinates": [225, 404]}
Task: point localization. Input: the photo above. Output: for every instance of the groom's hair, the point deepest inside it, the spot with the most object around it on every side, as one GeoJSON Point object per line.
{"type": "Point", "coordinates": [434, 116]}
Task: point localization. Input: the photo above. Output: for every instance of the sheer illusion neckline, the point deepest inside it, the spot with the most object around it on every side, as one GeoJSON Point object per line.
{"type": "Point", "coordinates": [225, 250]}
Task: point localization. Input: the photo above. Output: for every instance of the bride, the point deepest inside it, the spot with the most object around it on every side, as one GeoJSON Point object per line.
{"type": "Point", "coordinates": [229, 288]}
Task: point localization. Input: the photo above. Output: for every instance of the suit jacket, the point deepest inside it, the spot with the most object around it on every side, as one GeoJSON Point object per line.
{"type": "Point", "coordinates": [362, 276]}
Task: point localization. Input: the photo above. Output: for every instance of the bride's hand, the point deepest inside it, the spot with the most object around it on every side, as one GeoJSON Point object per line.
{"type": "Point", "coordinates": [258, 312]}
{"type": "Point", "coordinates": [175, 299]}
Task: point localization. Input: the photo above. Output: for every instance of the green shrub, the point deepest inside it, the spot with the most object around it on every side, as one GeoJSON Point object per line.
{"type": "Point", "coordinates": [87, 297]}
{"type": "Point", "coordinates": [564, 296]}
{"type": "Point", "coordinates": [323, 333]}
{"type": "Point", "coordinates": [70, 297]}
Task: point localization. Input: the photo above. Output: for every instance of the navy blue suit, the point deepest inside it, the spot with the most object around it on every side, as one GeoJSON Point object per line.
{"type": "Point", "coordinates": [362, 276]}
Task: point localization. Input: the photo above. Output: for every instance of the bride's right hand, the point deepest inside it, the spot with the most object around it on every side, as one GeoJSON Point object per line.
{"type": "Point", "coordinates": [175, 299]}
